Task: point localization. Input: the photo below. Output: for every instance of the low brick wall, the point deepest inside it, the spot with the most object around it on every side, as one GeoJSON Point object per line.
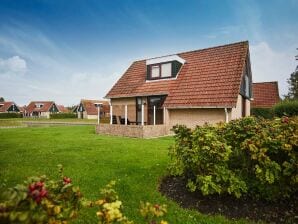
{"type": "Point", "coordinates": [134, 131]}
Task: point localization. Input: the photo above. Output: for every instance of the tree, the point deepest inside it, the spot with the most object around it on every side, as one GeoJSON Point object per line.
{"type": "Point", "coordinates": [293, 86]}
{"type": "Point", "coordinates": [2, 99]}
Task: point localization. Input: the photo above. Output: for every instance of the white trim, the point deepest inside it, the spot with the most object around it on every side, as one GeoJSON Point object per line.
{"type": "Point", "coordinates": [165, 59]}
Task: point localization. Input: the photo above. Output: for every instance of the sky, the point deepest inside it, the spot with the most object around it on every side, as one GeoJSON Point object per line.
{"type": "Point", "coordinates": [71, 50]}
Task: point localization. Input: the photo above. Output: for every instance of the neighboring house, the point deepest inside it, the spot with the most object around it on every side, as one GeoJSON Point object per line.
{"type": "Point", "coordinates": [8, 107]}
{"type": "Point", "coordinates": [41, 109]}
{"type": "Point", "coordinates": [265, 94]}
{"type": "Point", "coordinates": [88, 110]}
{"type": "Point", "coordinates": [62, 109]}
{"type": "Point", "coordinates": [191, 88]}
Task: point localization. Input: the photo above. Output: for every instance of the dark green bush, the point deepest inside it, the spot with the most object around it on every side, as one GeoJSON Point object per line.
{"type": "Point", "coordinates": [286, 107]}
{"type": "Point", "coordinates": [10, 115]}
{"type": "Point", "coordinates": [250, 156]}
{"type": "Point", "coordinates": [262, 112]}
{"type": "Point", "coordinates": [63, 115]}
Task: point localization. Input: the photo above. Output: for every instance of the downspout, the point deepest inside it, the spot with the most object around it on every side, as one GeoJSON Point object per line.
{"type": "Point", "coordinates": [227, 115]}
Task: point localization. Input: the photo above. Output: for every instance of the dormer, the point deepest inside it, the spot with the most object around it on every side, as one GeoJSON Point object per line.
{"type": "Point", "coordinates": [38, 105]}
{"type": "Point", "coordinates": [164, 67]}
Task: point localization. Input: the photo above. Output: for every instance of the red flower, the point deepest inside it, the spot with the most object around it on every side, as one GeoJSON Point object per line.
{"type": "Point", "coordinates": [66, 180]}
{"type": "Point", "coordinates": [37, 191]}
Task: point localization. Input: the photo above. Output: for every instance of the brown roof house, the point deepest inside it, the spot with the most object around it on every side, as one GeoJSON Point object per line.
{"type": "Point", "coordinates": [41, 109]}
{"type": "Point", "coordinates": [8, 107]}
{"type": "Point", "coordinates": [265, 94]}
{"type": "Point", "coordinates": [87, 109]}
{"type": "Point", "coordinates": [62, 109]}
{"type": "Point", "coordinates": [191, 88]}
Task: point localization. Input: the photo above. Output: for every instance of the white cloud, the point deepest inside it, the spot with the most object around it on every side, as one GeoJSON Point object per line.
{"type": "Point", "coordinates": [13, 66]}
{"type": "Point", "coordinates": [271, 65]}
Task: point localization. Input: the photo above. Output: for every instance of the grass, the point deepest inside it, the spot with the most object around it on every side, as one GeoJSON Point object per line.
{"type": "Point", "coordinates": [21, 121]}
{"type": "Point", "coordinates": [92, 161]}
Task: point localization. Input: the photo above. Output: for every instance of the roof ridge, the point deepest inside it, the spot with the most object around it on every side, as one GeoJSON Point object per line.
{"type": "Point", "coordinates": [202, 49]}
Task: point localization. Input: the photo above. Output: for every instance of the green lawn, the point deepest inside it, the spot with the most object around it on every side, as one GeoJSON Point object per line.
{"type": "Point", "coordinates": [22, 121]}
{"type": "Point", "coordinates": [92, 161]}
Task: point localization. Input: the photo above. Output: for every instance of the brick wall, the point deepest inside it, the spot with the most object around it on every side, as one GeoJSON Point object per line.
{"type": "Point", "coordinates": [135, 131]}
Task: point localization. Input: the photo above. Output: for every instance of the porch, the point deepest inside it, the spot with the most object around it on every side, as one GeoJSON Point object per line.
{"type": "Point", "coordinates": [140, 117]}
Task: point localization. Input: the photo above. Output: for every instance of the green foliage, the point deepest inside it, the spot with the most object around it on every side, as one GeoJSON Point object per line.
{"type": "Point", "coordinates": [62, 115]}
{"type": "Point", "coordinates": [286, 107]}
{"type": "Point", "coordinates": [41, 200]}
{"type": "Point", "coordinates": [2, 99]}
{"type": "Point", "coordinates": [10, 115]}
{"type": "Point", "coordinates": [293, 86]}
{"type": "Point", "coordinates": [246, 156]}
{"type": "Point", "coordinates": [266, 113]}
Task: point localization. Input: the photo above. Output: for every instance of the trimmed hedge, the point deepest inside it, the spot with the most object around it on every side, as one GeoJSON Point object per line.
{"type": "Point", "coordinates": [10, 115]}
{"type": "Point", "coordinates": [63, 116]}
{"type": "Point", "coordinates": [262, 112]}
{"type": "Point", "coordinates": [249, 156]}
{"type": "Point", "coordinates": [286, 107]}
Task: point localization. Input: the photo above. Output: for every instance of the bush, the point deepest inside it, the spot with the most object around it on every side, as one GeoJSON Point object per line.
{"type": "Point", "coordinates": [63, 115]}
{"type": "Point", "coordinates": [42, 200]}
{"type": "Point", "coordinates": [251, 156]}
{"type": "Point", "coordinates": [262, 112]}
{"type": "Point", "coordinates": [10, 115]}
{"type": "Point", "coordinates": [286, 107]}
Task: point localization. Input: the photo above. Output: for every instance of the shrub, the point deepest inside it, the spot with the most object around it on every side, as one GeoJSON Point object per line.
{"type": "Point", "coordinates": [262, 112]}
{"type": "Point", "coordinates": [10, 115]}
{"type": "Point", "coordinates": [42, 200]}
{"type": "Point", "coordinates": [62, 115]}
{"type": "Point", "coordinates": [250, 156]}
{"type": "Point", "coordinates": [286, 107]}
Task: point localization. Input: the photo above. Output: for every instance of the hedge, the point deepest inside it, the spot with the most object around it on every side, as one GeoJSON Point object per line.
{"type": "Point", "coordinates": [63, 115]}
{"type": "Point", "coordinates": [262, 112]}
{"type": "Point", "coordinates": [286, 107]}
{"type": "Point", "coordinates": [10, 115]}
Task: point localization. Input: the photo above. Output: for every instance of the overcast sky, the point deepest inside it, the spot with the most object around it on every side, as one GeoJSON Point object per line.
{"type": "Point", "coordinates": [69, 50]}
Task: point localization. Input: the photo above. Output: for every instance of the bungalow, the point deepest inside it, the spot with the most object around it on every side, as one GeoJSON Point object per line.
{"type": "Point", "coordinates": [265, 94]}
{"type": "Point", "coordinates": [8, 107]}
{"type": "Point", "coordinates": [87, 109]}
{"type": "Point", "coordinates": [191, 88]}
{"type": "Point", "coordinates": [41, 109]}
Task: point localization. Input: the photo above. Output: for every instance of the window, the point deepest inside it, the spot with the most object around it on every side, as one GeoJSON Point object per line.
{"type": "Point", "coordinates": [38, 105]}
{"type": "Point", "coordinates": [246, 86]}
{"type": "Point", "coordinates": [155, 71]}
{"type": "Point", "coordinates": [166, 70]}
{"type": "Point", "coordinates": [163, 70]}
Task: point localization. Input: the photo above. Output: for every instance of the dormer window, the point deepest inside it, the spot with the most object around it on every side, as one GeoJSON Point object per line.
{"type": "Point", "coordinates": [164, 67]}
{"type": "Point", "coordinates": [38, 105]}
{"type": "Point", "coordinates": [161, 70]}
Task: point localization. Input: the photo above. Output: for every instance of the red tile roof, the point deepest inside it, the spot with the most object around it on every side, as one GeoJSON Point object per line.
{"type": "Point", "coordinates": [62, 109]}
{"type": "Point", "coordinates": [4, 106]}
{"type": "Point", "coordinates": [91, 109]}
{"type": "Point", "coordinates": [265, 94]}
{"type": "Point", "coordinates": [210, 78]}
{"type": "Point", "coordinates": [45, 108]}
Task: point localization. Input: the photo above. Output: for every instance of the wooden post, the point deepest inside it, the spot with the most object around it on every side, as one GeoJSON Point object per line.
{"type": "Point", "coordinates": [142, 115]}
{"type": "Point", "coordinates": [111, 114]}
{"type": "Point", "coordinates": [125, 115]}
{"type": "Point", "coordinates": [154, 115]}
{"type": "Point", "coordinates": [164, 115]}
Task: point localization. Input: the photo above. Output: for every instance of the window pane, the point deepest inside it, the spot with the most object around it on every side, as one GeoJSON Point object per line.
{"type": "Point", "coordinates": [166, 70]}
{"type": "Point", "coordinates": [155, 71]}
